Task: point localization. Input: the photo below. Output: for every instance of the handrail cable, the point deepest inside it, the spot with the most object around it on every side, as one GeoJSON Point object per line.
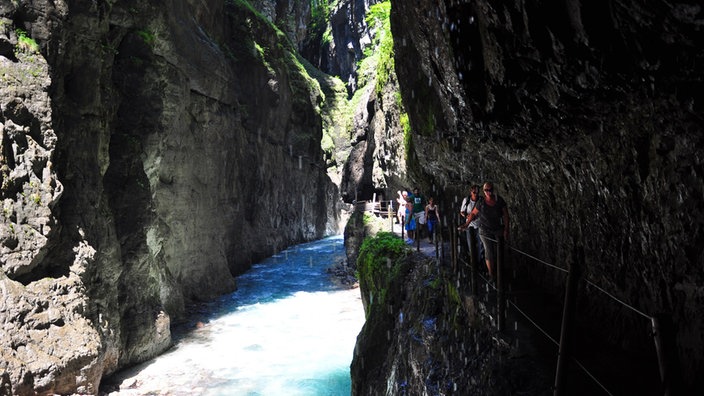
{"type": "Point", "coordinates": [531, 256]}
{"type": "Point", "coordinates": [545, 333]}
{"type": "Point", "coordinates": [587, 280]}
{"type": "Point", "coordinates": [548, 336]}
{"type": "Point", "coordinates": [615, 298]}
{"type": "Point", "coordinates": [486, 281]}
{"type": "Point", "coordinates": [539, 260]}
{"type": "Point", "coordinates": [592, 376]}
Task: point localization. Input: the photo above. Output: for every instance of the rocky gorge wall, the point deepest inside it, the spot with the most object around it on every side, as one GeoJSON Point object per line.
{"type": "Point", "coordinates": [151, 151]}
{"type": "Point", "coordinates": [373, 156]}
{"type": "Point", "coordinates": [587, 116]}
{"type": "Point", "coordinates": [365, 133]}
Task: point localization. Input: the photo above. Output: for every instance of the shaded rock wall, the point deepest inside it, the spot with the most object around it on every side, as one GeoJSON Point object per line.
{"type": "Point", "coordinates": [150, 152]}
{"type": "Point", "coordinates": [367, 156]}
{"type": "Point", "coordinates": [337, 44]}
{"type": "Point", "coordinates": [291, 16]}
{"type": "Point", "coordinates": [424, 334]}
{"type": "Point", "coordinates": [350, 37]}
{"type": "Point", "coordinates": [376, 161]}
{"type": "Point", "coordinates": [587, 117]}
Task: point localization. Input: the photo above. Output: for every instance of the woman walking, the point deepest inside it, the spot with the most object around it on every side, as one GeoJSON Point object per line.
{"type": "Point", "coordinates": [432, 216]}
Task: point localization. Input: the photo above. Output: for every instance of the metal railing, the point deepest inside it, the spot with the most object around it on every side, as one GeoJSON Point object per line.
{"type": "Point", "coordinates": [661, 325]}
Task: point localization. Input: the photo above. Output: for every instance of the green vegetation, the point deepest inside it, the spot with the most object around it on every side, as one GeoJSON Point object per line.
{"type": "Point", "coordinates": [368, 218]}
{"type": "Point", "coordinates": [25, 43]}
{"type": "Point", "coordinates": [327, 38]}
{"type": "Point", "coordinates": [261, 53]}
{"type": "Point", "coordinates": [378, 14]}
{"type": "Point", "coordinates": [407, 137]}
{"type": "Point", "coordinates": [380, 261]}
{"type": "Point", "coordinates": [271, 47]}
{"type": "Point", "coordinates": [383, 48]}
{"type": "Point", "coordinates": [453, 294]}
{"type": "Point", "coordinates": [336, 114]}
{"type": "Point", "coordinates": [455, 309]}
{"type": "Point", "coordinates": [244, 4]}
{"type": "Point", "coordinates": [147, 36]}
{"type": "Point", "coordinates": [435, 283]}
{"type": "Point", "coordinates": [109, 49]}
{"type": "Point", "coordinates": [328, 94]}
{"type": "Point", "coordinates": [379, 63]}
{"type": "Point", "coordinates": [320, 14]}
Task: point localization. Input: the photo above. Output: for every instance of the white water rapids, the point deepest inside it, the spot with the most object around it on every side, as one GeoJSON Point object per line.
{"type": "Point", "coordinates": [287, 330]}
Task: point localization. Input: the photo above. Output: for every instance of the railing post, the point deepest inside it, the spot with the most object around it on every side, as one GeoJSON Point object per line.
{"type": "Point", "coordinates": [435, 240]}
{"type": "Point", "coordinates": [390, 209]}
{"type": "Point", "coordinates": [453, 243]}
{"type": "Point", "coordinates": [664, 334]}
{"type": "Point", "coordinates": [442, 245]}
{"type": "Point", "coordinates": [565, 350]}
{"type": "Point", "coordinates": [417, 236]}
{"type": "Point", "coordinates": [500, 283]}
{"type": "Point", "coordinates": [473, 260]}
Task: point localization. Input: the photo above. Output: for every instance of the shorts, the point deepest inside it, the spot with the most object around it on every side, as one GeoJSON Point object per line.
{"type": "Point", "coordinates": [490, 246]}
{"type": "Point", "coordinates": [420, 217]}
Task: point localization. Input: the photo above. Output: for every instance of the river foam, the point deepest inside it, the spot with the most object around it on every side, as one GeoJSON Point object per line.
{"type": "Point", "coordinates": [287, 330]}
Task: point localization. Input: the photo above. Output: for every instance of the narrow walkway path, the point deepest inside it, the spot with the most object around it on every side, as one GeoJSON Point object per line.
{"type": "Point", "coordinates": [526, 344]}
{"type": "Point", "coordinates": [538, 335]}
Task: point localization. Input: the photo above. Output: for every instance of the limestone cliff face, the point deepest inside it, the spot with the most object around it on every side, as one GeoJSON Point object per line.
{"type": "Point", "coordinates": [376, 162]}
{"type": "Point", "coordinates": [150, 152]}
{"type": "Point", "coordinates": [351, 36]}
{"type": "Point", "coordinates": [370, 150]}
{"type": "Point", "coordinates": [368, 153]}
{"type": "Point", "coordinates": [291, 16]}
{"type": "Point", "coordinates": [587, 117]}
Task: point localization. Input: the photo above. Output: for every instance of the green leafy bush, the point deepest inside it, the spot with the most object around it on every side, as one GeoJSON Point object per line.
{"type": "Point", "coordinates": [26, 43]}
{"type": "Point", "coordinates": [380, 261]}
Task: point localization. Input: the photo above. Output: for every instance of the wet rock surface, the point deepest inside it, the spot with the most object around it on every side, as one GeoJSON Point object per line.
{"type": "Point", "coordinates": [149, 154]}
{"type": "Point", "coordinates": [586, 119]}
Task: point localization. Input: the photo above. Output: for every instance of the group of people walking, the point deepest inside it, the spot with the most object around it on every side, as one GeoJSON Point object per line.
{"type": "Point", "coordinates": [415, 213]}
{"type": "Point", "coordinates": [485, 214]}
